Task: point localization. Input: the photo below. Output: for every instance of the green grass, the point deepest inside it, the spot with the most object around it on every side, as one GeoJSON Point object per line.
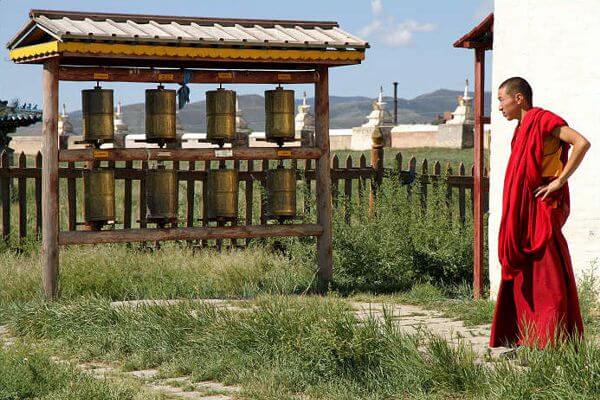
{"type": "Point", "coordinates": [117, 272]}
{"type": "Point", "coordinates": [28, 373]}
{"type": "Point", "coordinates": [284, 345]}
{"type": "Point", "coordinates": [299, 347]}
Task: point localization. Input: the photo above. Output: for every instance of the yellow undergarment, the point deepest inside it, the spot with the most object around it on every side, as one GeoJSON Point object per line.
{"type": "Point", "coordinates": [552, 166]}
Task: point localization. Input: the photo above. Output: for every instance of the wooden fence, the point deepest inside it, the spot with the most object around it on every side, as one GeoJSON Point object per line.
{"type": "Point", "coordinates": [348, 179]}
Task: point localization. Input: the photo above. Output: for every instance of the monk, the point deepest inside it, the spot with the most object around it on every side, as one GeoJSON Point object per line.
{"type": "Point", "coordinates": [537, 302]}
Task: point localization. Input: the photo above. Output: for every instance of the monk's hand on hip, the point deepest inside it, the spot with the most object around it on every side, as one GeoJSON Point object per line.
{"type": "Point", "coordinates": [545, 190]}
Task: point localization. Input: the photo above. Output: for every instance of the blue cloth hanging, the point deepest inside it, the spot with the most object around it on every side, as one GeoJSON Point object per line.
{"type": "Point", "coordinates": [183, 93]}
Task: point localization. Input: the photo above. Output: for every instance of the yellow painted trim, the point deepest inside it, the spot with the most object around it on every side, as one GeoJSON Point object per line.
{"type": "Point", "coordinates": [34, 50]}
{"type": "Point", "coordinates": [189, 52]}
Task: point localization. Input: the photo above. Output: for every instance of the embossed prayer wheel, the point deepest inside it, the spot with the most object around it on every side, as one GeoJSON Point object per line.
{"type": "Point", "coordinates": [220, 116]}
{"type": "Point", "coordinates": [97, 109]}
{"type": "Point", "coordinates": [99, 196]}
{"type": "Point", "coordinates": [161, 119]}
{"type": "Point", "coordinates": [281, 193]}
{"type": "Point", "coordinates": [161, 194]}
{"type": "Point", "coordinates": [279, 114]}
{"type": "Point", "coordinates": [222, 194]}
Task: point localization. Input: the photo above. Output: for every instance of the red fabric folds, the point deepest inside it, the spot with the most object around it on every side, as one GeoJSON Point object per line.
{"type": "Point", "coordinates": [527, 222]}
{"type": "Point", "coordinates": [537, 291]}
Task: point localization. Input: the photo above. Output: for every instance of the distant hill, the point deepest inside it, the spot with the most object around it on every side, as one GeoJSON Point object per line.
{"type": "Point", "coordinates": [345, 112]}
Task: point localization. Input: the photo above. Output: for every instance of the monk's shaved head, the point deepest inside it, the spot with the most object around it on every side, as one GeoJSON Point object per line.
{"type": "Point", "coordinates": [516, 85]}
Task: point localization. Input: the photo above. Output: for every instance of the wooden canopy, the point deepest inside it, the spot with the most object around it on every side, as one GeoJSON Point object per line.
{"type": "Point", "coordinates": [482, 36]}
{"type": "Point", "coordinates": [160, 41]}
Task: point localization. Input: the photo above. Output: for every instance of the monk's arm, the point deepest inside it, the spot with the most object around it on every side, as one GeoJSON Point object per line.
{"type": "Point", "coordinates": [580, 146]}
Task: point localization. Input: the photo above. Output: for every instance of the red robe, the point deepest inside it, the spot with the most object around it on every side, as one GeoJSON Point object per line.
{"type": "Point", "coordinates": [537, 300]}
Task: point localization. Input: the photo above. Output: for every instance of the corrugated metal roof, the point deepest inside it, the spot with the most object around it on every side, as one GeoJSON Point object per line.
{"type": "Point", "coordinates": [65, 26]}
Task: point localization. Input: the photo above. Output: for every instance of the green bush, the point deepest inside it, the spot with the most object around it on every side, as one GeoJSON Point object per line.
{"type": "Point", "coordinates": [401, 244]}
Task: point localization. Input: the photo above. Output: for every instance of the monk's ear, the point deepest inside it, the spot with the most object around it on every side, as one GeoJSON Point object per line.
{"type": "Point", "coordinates": [520, 99]}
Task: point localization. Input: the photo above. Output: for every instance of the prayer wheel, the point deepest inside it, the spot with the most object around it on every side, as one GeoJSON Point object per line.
{"type": "Point", "coordinates": [160, 115]}
{"type": "Point", "coordinates": [220, 116]}
{"type": "Point", "coordinates": [222, 194]}
{"type": "Point", "coordinates": [97, 109]}
{"type": "Point", "coordinates": [99, 196]}
{"type": "Point", "coordinates": [161, 194]}
{"type": "Point", "coordinates": [281, 193]}
{"type": "Point", "coordinates": [279, 109]}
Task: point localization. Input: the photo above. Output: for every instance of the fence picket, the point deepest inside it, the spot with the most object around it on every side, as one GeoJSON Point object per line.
{"type": "Point", "coordinates": [5, 185]}
{"type": "Point", "coordinates": [348, 191]}
{"type": "Point", "coordinates": [22, 199]}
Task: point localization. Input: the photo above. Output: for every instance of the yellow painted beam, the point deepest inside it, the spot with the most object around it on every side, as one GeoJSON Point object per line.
{"type": "Point", "coordinates": [134, 50]}
{"type": "Point", "coordinates": [34, 50]}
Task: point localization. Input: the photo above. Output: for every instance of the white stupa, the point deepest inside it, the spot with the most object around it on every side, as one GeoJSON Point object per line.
{"type": "Point", "coordinates": [240, 122]}
{"type": "Point", "coordinates": [65, 127]}
{"type": "Point", "coordinates": [379, 115]}
{"type": "Point", "coordinates": [242, 131]}
{"type": "Point", "coordinates": [120, 126]}
{"type": "Point", "coordinates": [305, 120]}
{"type": "Point", "coordinates": [464, 111]}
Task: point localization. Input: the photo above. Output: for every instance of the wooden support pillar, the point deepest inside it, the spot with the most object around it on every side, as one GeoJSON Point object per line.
{"type": "Point", "coordinates": [324, 206]}
{"type": "Point", "coordinates": [478, 175]}
{"type": "Point", "coordinates": [377, 143]}
{"type": "Point", "coordinates": [50, 178]}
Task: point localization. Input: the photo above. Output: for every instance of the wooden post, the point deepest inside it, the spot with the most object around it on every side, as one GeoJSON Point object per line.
{"type": "Point", "coordinates": [362, 181]}
{"type": "Point", "coordinates": [324, 207]}
{"type": "Point", "coordinates": [50, 178]}
{"type": "Point", "coordinates": [38, 195]}
{"type": "Point", "coordinates": [348, 191]}
{"type": "Point", "coordinates": [22, 200]}
{"type": "Point", "coordinates": [5, 185]}
{"type": "Point", "coordinates": [249, 196]}
{"type": "Point", "coordinates": [307, 194]}
{"type": "Point", "coordinates": [462, 195]}
{"type": "Point", "coordinates": [377, 165]}
{"type": "Point", "coordinates": [478, 175]}
{"type": "Point", "coordinates": [335, 183]}
{"type": "Point", "coordinates": [424, 179]}
{"type": "Point", "coordinates": [127, 197]}
{"type": "Point", "coordinates": [449, 192]}
{"type": "Point", "coordinates": [191, 195]}
{"type": "Point", "coordinates": [72, 200]}
{"type": "Point", "coordinates": [263, 193]}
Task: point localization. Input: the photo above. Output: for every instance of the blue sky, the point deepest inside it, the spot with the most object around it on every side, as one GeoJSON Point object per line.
{"type": "Point", "coordinates": [411, 41]}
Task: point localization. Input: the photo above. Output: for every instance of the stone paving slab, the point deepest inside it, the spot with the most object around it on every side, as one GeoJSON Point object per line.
{"type": "Point", "coordinates": [410, 319]}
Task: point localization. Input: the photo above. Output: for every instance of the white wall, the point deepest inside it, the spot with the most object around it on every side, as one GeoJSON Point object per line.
{"type": "Point", "coordinates": [554, 45]}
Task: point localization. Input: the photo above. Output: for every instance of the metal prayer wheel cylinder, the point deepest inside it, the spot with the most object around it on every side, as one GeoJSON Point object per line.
{"type": "Point", "coordinates": [220, 116]}
{"type": "Point", "coordinates": [222, 194]}
{"type": "Point", "coordinates": [160, 114]}
{"type": "Point", "coordinates": [281, 193]}
{"type": "Point", "coordinates": [279, 109]}
{"type": "Point", "coordinates": [99, 196]}
{"type": "Point", "coordinates": [161, 194]}
{"type": "Point", "coordinates": [97, 108]}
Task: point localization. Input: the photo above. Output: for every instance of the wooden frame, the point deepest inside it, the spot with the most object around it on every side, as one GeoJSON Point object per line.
{"type": "Point", "coordinates": [52, 238]}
